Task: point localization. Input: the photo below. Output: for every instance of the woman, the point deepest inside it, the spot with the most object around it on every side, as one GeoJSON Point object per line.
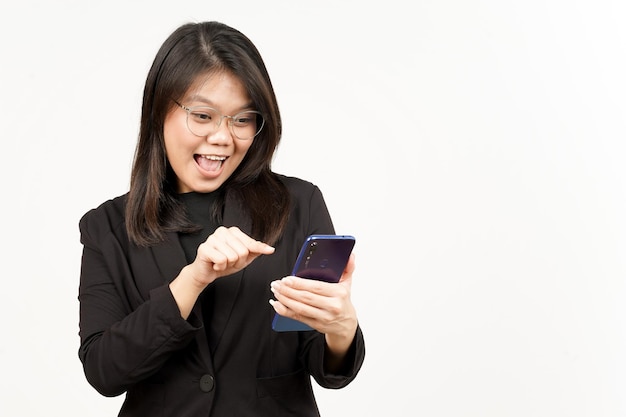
{"type": "Point", "coordinates": [177, 273]}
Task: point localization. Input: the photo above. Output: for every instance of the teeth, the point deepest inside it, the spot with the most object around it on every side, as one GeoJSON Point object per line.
{"type": "Point", "coordinates": [213, 157]}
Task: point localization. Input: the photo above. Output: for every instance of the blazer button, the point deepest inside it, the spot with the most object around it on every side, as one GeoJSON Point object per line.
{"type": "Point", "coordinates": [207, 383]}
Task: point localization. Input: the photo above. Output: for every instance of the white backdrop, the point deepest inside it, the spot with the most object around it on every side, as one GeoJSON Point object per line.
{"type": "Point", "coordinates": [474, 148]}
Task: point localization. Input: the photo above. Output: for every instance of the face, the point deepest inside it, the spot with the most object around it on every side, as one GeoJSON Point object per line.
{"type": "Point", "coordinates": [203, 163]}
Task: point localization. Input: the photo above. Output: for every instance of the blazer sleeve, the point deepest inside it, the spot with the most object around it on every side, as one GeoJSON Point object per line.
{"type": "Point", "coordinates": [314, 343]}
{"type": "Point", "coordinates": [122, 341]}
{"type": "Point", "coordinates": [351, 366]}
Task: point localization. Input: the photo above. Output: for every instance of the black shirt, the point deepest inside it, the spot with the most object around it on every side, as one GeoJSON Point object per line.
{"type": "Point", "coordinates": [198, 207]}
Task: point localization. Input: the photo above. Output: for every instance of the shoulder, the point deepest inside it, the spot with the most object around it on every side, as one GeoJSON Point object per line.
{"type": "Point", "coordinates": [108, 217]}
{"type": "Point", "coordinates": [298, 187]}
{"type": "Point", "coordinates": [303, 193]}
{"type": "Point", "coordinates": [308, 207]}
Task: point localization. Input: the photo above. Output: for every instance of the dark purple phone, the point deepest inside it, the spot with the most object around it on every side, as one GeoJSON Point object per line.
{"type": "Point", "coordinates": [322, 257]}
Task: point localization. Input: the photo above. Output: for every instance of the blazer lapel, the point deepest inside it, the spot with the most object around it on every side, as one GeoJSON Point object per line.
{"type": "Point", "coordinates": [169, 257]}
{"type": "Point", "coordinates": [227, 288]}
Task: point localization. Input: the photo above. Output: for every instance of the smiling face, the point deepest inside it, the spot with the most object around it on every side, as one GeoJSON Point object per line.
{"type": "Point", "coordinates": [204, 163]}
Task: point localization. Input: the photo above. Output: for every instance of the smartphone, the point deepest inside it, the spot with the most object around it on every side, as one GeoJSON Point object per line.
{"type": "Point", "coordinates": [322, 257]}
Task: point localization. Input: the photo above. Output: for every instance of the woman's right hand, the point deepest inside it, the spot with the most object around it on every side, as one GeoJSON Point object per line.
{"type": "Point", "coordinates": [226, 251]}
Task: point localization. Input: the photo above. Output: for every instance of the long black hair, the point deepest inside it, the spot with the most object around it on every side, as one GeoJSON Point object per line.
{"type": "Point", "coordinates": [193, 50]}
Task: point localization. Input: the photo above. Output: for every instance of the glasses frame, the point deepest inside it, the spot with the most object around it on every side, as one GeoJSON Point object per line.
{"type": "Point", "coordinates": [188, 110]}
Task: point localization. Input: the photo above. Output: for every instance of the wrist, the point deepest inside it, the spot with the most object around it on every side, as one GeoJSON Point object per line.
{"type": "Point", "coordinates": [339, 343]}
{"type": "Point", "coordinates": [185, 289]}
{"type": "Point", "coordinates": [193, 278]}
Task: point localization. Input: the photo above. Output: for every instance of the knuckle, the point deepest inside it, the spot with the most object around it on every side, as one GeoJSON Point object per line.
{"type": "Point", "coordinates": [307, 297]}
{"type": "Point", "coordinates": [335, 309]}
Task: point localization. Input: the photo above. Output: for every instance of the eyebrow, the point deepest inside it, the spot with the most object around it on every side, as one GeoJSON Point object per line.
{"type": "Point", "coordinates": [203, 99]}
{"type": "Point", "coordinates": [208, 102]}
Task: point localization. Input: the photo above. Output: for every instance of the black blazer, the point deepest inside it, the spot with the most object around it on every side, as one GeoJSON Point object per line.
{"type": "Point", "coordinates": [134, 340]}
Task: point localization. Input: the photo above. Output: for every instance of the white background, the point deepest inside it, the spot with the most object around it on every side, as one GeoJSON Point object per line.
{"type": "Point", "coordinates": [475, 149]}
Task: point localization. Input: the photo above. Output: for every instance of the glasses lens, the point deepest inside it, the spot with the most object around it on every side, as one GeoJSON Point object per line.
{"type": "Point", "coordinates": [202, 120]}
{"type": "Point", "coordinates": [247, 125]}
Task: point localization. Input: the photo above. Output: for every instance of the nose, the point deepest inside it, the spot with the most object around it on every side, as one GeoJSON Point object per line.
{"type": "Point", "coordinates": [222, 134]}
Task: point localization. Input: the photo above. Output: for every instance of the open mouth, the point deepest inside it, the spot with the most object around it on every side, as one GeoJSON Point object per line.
{"type": "Point", "coordinates": [210, 162]}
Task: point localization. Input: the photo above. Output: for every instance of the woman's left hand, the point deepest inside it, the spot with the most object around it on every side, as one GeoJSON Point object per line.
{"type": "Point", "coordinates": [324, 306]}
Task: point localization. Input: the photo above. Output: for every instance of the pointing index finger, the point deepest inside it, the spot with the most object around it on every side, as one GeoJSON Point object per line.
{"type": "Point", "coordinates": [254, 246]}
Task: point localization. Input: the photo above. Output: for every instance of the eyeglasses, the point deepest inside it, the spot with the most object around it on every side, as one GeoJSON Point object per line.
{"type": "Point", "coordinates": [204, 120]}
